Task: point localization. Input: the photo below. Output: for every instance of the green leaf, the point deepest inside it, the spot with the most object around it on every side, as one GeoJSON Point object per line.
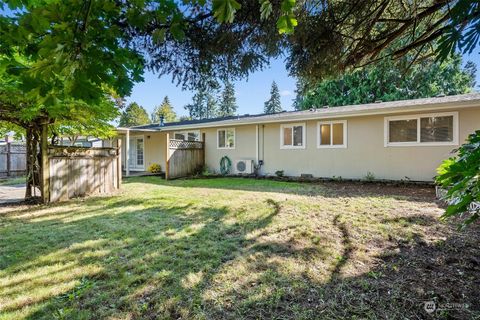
{"type": "Point", "coordinates": [177, 31]}
{"type": "Point", "coordinates": [286, 24]}
{"type": "Point", "coordinates": [159, 35]}
{"type": "Point", "coordinates": [224, 10]}
{"type": "Point", "coordinates": [287, 6]}
{"type": "Point", "coordinates": [265, 9]}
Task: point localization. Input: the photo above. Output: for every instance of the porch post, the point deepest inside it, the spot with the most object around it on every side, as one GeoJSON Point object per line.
{"type": "Point", "coordinates": [167, 157]}
{"type": "Point", "coordinates": [119, 162]}
{"type": "Point", "coordinates": [127, 153]}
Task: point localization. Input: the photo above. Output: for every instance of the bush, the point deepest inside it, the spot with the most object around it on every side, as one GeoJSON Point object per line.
{"type": "Point", "coordinates": [154, 168]}
{"type": "Point", "coordinates": [460, 176]}
{"type": "Point", "coordinates": [369, 176]}
{"type": "Point", "coordinates": [279, 173]}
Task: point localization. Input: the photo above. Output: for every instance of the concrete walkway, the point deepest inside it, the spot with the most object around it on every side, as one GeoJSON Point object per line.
{"type": "Point", "coordinates": [10, 194]}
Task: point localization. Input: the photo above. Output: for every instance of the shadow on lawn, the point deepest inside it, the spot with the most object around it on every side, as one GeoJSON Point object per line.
{"type": "Point", "coordinates": [328, 189]}
{"type": "Point", "coordinates": [132, 250]}
{"type": "Point", "coordinates": [160, 262]}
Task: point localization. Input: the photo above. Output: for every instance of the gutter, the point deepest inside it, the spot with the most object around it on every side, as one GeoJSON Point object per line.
{"type": "Point", "coordinates": [316, 115]}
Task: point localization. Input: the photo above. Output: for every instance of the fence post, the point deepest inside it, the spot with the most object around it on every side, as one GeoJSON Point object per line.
{"type": "Point", "coordinates": [9, 159]}
{"type": "Point", "coordinates": [167, 157]}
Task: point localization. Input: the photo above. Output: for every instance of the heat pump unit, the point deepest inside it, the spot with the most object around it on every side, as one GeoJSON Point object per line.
{"type": "Point", "coordinates": [244, 166]}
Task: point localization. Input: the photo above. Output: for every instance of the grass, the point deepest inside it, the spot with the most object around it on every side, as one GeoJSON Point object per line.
{"type": "Point", "coordinates": [12, 181]}
{"type": "Point", "coordinates": [237, 249]}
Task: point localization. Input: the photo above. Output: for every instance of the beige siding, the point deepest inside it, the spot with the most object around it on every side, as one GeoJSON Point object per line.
{"type": "Point", "coordinates": [155, 149]}
{"type": "Point", "coordinates": [365, 150]}
{"type": "Point", "coordinates": [245, 144]}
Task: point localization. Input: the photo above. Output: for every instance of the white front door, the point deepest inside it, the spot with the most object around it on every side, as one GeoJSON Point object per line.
{"type": "Point", "coordinates": [136, 154]}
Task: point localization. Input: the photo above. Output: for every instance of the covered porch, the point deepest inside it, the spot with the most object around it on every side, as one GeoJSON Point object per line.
{"type": "Point", "coordinates": [140, 149]}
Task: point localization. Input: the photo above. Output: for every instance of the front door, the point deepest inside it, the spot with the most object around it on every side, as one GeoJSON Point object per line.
{"type": "Point", "coordinates": [136, 154]}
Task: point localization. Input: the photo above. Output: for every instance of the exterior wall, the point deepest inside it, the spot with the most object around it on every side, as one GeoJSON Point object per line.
{"type": "Point", "coordinates": [154, 148]}
{"type": "Point", "coordinates": [245, 146]}
{"type": "Point", "coordinates": [365, 150]}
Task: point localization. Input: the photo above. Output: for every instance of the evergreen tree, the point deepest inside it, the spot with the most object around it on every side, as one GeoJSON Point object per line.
{"type": "Point", "coordinates": [273, 105]}
{"type": "Point", "coordinates": [165, 110]}
{"type": "Point", "coordinates": [388, 81]}
{"type": "Point", "coordinates": [203, 106]}
{"type": "Point", "coordinates": [228, 104]}
{"type": "Point", "coordinates": [134, 115]}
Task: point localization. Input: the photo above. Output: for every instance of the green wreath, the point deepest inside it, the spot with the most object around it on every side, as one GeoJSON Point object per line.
{"type": "Point", "coordinates": [225, 165]}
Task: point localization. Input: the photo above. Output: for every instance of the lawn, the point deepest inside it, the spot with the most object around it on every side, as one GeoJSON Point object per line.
{"type": "Point", "coordinates": [12, 181]}
{"type": "Point", "coordinates": [237, 248]}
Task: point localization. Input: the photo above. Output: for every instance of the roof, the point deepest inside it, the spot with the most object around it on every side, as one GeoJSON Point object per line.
{"type": "Point", "coordinates": [424, 104]}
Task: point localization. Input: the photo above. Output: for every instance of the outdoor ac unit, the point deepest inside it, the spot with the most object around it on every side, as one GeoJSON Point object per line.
{"type": "Point", "coordinates": [244, 166]}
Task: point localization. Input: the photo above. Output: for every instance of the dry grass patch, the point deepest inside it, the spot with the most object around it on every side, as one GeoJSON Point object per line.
{"type": "Point", "coordinates": [237, 248]}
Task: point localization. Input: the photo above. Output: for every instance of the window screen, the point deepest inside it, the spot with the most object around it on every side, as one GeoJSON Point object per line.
{"type": "Point", "coordinates": [436, 129]}
{"type": "Point", "coordinates": [403, 130]}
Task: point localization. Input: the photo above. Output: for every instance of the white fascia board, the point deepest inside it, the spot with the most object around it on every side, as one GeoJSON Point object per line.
{"type": "Point", "coordinates": [316, 115]}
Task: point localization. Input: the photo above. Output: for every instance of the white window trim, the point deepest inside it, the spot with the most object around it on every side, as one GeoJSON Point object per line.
{"type": "Point", "coordinates": [234, 139]}
{"type": "Point", "coordinates": [331, 145]}
{"type": "Point", "coordinates": [417, 143]}
{"type": "Point", "coordinates": [186, 132]}
{"type": "Point", "coordinates": [304, 135]}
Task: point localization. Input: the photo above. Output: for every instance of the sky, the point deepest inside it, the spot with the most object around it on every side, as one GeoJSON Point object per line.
{"type": "Point", "coordinates": [251, 93]}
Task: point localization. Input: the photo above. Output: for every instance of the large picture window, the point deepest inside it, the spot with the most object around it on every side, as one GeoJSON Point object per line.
{"type": "Point", "coordinates": [226, 138]}
{"type": "Point", "coordinates": [422, 130]}
{"type": "Point", "coordinates": [292, 136]}
{"type": "Point", "coordinates": [332, 134]}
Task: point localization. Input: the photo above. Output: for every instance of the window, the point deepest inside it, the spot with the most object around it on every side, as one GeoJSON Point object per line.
{"type": "Point", "coordinates": [187, 135]}
{"type": "Point", "coordinates": [332, 134]}
{"type": "Point", "coordinates": [226, 138]}
{"type": "Point", "coordinates": [292, 136]}
{"type": "Point", "coordinates": [422, 130]}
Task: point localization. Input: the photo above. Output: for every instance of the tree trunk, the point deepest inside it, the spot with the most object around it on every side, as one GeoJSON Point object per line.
{"type": "Point", "coordinates": [33, 162]}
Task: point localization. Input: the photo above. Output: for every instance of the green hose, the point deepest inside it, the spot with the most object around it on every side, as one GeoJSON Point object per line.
{"type": "Point", "coordinates": [225, 165]}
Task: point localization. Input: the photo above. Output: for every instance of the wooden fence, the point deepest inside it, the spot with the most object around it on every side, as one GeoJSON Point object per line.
{"type": "Point", "coordinates": [183, 158]}
{"type": "Point", "coordinates": [77, 171]}
{"type": "Point", "coordinates": [13, 159]}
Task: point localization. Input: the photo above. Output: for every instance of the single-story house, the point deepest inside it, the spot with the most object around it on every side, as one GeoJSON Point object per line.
{"type": "Point", "coordinates": [390, 140]}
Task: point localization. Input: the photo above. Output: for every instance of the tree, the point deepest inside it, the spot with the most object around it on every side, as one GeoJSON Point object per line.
{"type": "Point", "coordinates": [228, 104]}
{"type": "Point", "coordinates": [204, 104]}
{"type": "Point", "coordinates": [70, 60]}
{"type": "Point", "coordinates": [388, 81]}
{"type": "Point", "coordinates": [459, 175]}
{"type": "Point", "coordinates": [134, 115]}
{"type": "Point", "coordinates": [336, 36]}
{"type": "Point", "coordinates": [273, 105]}
{"type": "Point", "coordinates": [165, 110]}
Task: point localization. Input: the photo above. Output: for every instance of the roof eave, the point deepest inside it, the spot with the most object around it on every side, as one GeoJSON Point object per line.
{"type": "Point", "coordinates": [322, 115]}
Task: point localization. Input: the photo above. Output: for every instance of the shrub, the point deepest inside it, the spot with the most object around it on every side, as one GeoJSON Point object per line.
{"type": "Point", "coordinates": [460, 176]}
{"type": "Point", "coordinates": [369, 176]}
{"type": "Point", "coordinates": [154, 168]}
{"type": "Point", "coordinates": [279, 173]}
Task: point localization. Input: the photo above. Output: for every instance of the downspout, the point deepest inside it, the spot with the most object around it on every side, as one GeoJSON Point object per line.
{"type": "Point", "coordinates": [257, 143]}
